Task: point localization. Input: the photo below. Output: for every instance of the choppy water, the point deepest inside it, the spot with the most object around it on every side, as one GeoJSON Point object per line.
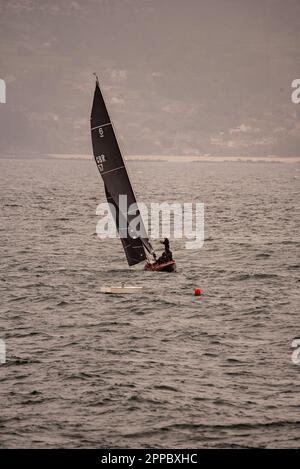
{"type": "Point", "coordinates": [158, 370]}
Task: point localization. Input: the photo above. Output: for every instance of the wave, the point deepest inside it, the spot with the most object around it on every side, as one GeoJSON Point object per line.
{"type": "Point", "coordinates": [242, 277]}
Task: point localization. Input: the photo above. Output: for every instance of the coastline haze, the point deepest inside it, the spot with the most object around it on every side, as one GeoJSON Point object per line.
{"type": "Point", "coordinates": [191, 78]}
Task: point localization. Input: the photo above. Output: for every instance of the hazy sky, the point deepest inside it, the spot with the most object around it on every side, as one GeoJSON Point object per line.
{"type": "Point", "coordinates": [192, 77]}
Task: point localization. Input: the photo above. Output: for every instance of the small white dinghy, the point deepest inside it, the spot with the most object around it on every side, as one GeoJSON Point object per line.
{"type": "Point", "coordinates": [122, 289]}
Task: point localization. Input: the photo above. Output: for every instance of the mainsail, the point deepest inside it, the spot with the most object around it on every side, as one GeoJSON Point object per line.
{"type": "Point", "coordinates": [114, 173]}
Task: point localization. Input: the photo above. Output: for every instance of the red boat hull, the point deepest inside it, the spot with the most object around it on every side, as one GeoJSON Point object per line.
{"type": "Point", "coordinates": [165, 267]}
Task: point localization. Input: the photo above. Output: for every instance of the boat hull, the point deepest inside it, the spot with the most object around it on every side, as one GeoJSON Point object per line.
{"type": "Point", "coordinates": [164, 267]}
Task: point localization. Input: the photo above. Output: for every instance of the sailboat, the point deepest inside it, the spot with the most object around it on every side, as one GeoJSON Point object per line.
{"type": "Point", "coordinates": [113, 170]}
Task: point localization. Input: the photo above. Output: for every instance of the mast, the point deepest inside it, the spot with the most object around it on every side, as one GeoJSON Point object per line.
{"type": "Point", "coordinates": [113, 170]}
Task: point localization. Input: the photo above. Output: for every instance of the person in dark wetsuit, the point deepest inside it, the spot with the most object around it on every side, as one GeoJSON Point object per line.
{"type": "Point", "coordinates": [167, 254]}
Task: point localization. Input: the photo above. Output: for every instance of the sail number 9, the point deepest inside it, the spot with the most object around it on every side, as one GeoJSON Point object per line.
{"type": "Point", "coordinates": [101, 132]}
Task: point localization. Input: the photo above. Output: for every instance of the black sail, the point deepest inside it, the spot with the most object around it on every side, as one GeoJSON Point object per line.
{"type": "Point", "coordinates": [112, 168]}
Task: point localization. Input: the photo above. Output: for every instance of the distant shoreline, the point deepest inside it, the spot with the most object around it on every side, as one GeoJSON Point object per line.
{"type": "Point", "coordinates": [166, 158]}
{"type": "Point", "coordinates": [189, 159]}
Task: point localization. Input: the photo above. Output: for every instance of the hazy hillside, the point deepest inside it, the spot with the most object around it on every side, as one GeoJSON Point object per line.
{"type": "Point", "coordinates": [193, 77]}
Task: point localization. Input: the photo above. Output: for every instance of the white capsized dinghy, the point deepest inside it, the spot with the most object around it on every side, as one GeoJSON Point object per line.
{"type": "Point", "coordinates": [122, 289]}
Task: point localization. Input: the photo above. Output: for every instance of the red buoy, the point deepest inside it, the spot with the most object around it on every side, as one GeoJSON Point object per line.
{"type": "Point", "coordinates": [197, 292]}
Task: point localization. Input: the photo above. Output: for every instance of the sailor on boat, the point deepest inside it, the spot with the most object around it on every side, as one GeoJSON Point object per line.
{"type": "Point", "coordinates": [167, 254]}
